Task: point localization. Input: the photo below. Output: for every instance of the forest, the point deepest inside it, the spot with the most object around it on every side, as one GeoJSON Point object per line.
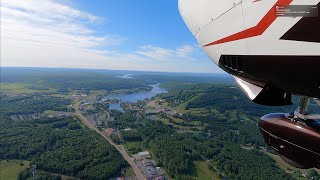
{"type": "Point", "coordinates": [55, 145]}
{"type": "Point", "coordinates": [177, 152]}
{"type": "Point", "coordinates": [229, 122]}
{"type": "Point", "coordinates": [29, 104]}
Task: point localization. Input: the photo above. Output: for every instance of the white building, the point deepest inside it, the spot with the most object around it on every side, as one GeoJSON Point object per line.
{"type": "Point", "coordinates": [142, 155]}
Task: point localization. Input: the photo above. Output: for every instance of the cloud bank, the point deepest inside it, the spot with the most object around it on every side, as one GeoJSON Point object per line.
{"type": "Point", "coordinates": [50, 34]}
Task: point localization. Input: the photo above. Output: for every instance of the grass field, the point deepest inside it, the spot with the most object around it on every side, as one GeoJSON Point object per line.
{"type": "Point", "coordinates": [133, 146]}
{"type": "Point", "coordinates": [10, 169]}
{"type": "Point", "coordinates": [21, 88]}
{"type": "Point", "coordinates": [15, 88]}
{"type": "Point", "coordinates": [180, 129]}
{"type": "Point", "coordinates": [202, 171]}
{"type": "Point", "coordinates": [181, 107]}
{"type": "Point", "coordinates": [129, 172]}
{"type": "Point", "coordinates": [284, 166]}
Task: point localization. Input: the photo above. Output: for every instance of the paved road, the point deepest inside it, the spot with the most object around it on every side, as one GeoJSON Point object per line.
{"type": "Point", "coordinates": [121, 150]}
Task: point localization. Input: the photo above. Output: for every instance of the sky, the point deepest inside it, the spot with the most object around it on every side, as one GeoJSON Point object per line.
{"type": "Point", "coordinates": [143, 35]}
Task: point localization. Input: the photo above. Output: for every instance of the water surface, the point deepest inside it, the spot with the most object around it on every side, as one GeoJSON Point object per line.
{"type": "Point", "coordinates": [126, 76]}
{"type": "Point", "coordinates": [135, 97]}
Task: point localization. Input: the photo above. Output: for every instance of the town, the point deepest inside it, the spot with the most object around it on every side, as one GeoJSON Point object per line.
{"type": "Point", "coordinates": [97, 113]}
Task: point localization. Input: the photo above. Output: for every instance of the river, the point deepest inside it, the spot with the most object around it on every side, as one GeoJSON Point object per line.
{"type": "Point", "coordinates": [135, 97]}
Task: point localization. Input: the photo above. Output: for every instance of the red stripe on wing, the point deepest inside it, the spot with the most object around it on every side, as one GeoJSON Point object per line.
{"type": "Point", "coordinates": [257, 30]}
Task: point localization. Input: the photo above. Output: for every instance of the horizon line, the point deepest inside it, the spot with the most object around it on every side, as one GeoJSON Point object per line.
{"type": "Point", "coordinates": [177, 72]}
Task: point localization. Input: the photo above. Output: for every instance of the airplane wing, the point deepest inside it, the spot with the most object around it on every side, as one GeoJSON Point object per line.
{"type": "Point", "coordinates": [265, 95]}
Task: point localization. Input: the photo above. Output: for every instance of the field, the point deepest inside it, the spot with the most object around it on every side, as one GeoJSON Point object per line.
{"type": "Point", "coordinates": [15, 88]}
{"type": "Point", "coordinates": [202, 171]}
{"type": "Point", "coordinates": [133, 146]}
{"type": "Point", "coordinates": [183, 105]}
{"type": "Point", "coordinates": [283, 165]}
{"type": "Point", "coordinates": [22, 88]}
{"type": "Point", "coordinates": [129, 172]}
{"type": "Point", "coordinates": [10, 169]}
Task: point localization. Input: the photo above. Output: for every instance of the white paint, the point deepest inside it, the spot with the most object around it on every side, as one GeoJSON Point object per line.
{"type": "Point", "coordinates": [198, 17]}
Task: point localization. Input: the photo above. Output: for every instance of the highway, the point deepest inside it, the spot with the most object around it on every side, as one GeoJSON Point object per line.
{"type": "Point", "coordinates": [120, 149]}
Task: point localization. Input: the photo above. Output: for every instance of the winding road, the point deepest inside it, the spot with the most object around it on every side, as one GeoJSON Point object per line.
{"type": "Point", "coordinates": [120, 148]}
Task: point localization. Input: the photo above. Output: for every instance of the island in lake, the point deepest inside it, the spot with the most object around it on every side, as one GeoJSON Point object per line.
{"type": "Point", "coordinates": [133, 98]}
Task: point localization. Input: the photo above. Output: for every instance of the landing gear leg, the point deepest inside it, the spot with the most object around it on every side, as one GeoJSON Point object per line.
{"type": "Point", "coordinates": [302, 110]}
{"type": "Point", "coordinates": [302, 113]}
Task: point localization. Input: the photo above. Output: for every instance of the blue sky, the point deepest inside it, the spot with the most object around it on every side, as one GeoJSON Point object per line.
{"type": "Point", "coordinates": [143, 21]}
{"type": "Point", "coordinates": [103, 34]}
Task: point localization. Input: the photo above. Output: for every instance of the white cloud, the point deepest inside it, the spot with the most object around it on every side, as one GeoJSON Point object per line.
{"type": "Point", "coordinates": [164, 54]}
{"type": "Point", "coordinates": [56, 33]}
{"type": "Point", "coordinates": [51, 23]}
{"type": "Point", "coordinates": [47, 9]}
{"type": "Point", "coordinates": [45, 33]}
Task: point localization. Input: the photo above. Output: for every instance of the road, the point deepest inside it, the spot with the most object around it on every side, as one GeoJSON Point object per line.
{"type": "Point", "coordinates": [121, 150]}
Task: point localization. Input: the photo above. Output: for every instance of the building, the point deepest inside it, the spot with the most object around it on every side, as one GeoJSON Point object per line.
{"type": "Point", "coordinates": [149, 168]}
{"type": "Point", "coordinates": [141, 155]}
{"type": "Point", "coordinates": [144, 154]}
{"type": "Point", "coordinates": [147, 162]}
{"type": "Point", "coordinates": [151, 171]}
{"type": "Point", "coordinates": [160, 178]}
{"type": "Point", "coordinates": [109, 131]}
{"type": "Point", "coordinates": [121, 178]}
{"type": "Point", "coordinates": [127, 129]}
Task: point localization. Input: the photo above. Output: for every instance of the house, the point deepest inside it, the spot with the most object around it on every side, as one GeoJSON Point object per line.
{"type": "Point", "coordinates": [109, 131]}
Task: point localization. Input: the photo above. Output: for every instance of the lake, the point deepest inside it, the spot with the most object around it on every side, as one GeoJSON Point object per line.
{"type": "Point", "coordinates": [135, 97]}
{"type": "Point", "coordinates": [126, 76]}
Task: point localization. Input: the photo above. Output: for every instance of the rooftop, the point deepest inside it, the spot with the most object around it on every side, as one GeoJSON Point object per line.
{"type": "Point", "coordinates": [144, 153]}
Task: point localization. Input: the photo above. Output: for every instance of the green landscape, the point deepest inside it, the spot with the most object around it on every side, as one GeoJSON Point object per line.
{"type": "Point", "coordinates": [202, 127]}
